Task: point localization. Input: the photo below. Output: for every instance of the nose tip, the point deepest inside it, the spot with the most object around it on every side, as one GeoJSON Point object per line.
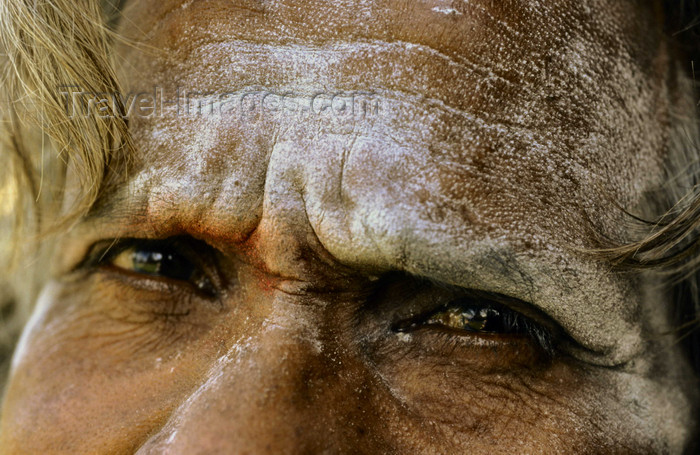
{"type": "Point", "coordinates": [271, 395]}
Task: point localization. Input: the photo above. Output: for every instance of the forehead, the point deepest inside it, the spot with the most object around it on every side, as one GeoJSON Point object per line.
{"type": "Point", "coordinates": [490, 113]}
{"type": "Point", "coordinates": [517, 104]}
{"type": "Point", "coordinates": [460, 131]}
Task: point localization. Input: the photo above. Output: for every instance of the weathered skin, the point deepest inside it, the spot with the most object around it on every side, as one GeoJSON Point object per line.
{"type": "Point", "coordinates": [506, 132]}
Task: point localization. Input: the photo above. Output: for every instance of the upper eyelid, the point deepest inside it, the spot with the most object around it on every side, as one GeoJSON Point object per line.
{"type": "Point", "coordinates": [527, 309]}
{"type": "Point", "coordinates": [202, 258]}
{"type": "Point", "coordinates": [104, 250]}
{"type": "Point", "coordinates": [448, 292]}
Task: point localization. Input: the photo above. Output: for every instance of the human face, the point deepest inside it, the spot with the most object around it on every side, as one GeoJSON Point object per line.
{"type": "Point", "coordinates": [307, 281]}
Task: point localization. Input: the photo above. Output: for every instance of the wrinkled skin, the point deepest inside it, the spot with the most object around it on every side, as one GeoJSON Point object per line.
{"type": "Point", "coordinates": [507, 132]}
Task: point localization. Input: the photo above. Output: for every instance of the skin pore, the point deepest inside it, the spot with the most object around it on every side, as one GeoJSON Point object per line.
{"type": "Point", "coordinates": [305, 266]}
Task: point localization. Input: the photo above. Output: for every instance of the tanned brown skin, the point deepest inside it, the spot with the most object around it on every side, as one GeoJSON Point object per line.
{"type": "Point", "coordinates": [508, 134]}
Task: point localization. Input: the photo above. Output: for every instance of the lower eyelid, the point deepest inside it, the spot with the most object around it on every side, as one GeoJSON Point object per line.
{"type": "Point", "coordinates": [472, 338]}
{"type": "Point", "coordinates": [152, 283]}
{"type": "Point", "coordinates": [139, 280]}
{"type": "Point", "coordinates": [509, 351]}
{"type": "Point", "coordinates": [152, 301]}
{"type": "Point", "coordinates": [162, 310]}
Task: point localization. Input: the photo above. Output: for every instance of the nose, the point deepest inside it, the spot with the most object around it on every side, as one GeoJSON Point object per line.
{"type": "Point", "coordinates": [279, 391]}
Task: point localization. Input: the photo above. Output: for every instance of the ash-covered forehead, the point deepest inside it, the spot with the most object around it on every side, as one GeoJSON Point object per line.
{"type": "Point", "coordinates": [548, 97]}
{"type": "Point", "coordinates": [474, 142]}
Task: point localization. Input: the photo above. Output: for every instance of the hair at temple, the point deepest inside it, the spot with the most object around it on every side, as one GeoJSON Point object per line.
{"type": "Point", "coordinates": [672, 243]}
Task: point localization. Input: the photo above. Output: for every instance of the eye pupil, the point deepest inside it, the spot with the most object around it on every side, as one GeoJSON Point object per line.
{"type": "Point", "coordinates": [476, 321]}
{"type": "Point", "coordinates": [149, 262]}
{"type": "Point", "coordinates": [163, 263]}
{"type": "Point", "coordinates": [470, 317]}
{"type": "Point", "coordinates": [160, 260]}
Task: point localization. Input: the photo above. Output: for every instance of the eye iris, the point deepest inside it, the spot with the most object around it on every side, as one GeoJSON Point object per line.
{"type": "Point", "coordinates": [157, 263]}
{"type": "Point", "coordinates": [471, 318]}
{"type": "Point", "coordinates": [149, 262]}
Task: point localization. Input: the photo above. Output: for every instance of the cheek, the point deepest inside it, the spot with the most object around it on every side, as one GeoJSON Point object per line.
{"type": "Point", "coordinates": [95, 377]}
{"type": "Point", "coordinates": [484, 400]}
{"type": "Point", "coordinates": [92, 374]}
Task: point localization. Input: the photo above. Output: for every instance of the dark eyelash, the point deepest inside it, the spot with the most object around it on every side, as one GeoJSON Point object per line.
{"type": "Point", "coordinates": [529, 321]}
{"type": "Point", "coordinates": [107, 250]}
{"type": "Point", "coordinates": [539, 327]}
{"type": "Point", "coordinates": [195, 251]}
{"type": "Point", "coordinates": [514, 320]}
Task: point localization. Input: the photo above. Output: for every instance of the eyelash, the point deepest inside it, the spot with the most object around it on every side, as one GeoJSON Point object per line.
{"type": "Point", "coordinates": [433, 298]}
{"type": "Point", "coordinates": [176, 249]}
{"type": "Point", "coordinates": [515, 323]}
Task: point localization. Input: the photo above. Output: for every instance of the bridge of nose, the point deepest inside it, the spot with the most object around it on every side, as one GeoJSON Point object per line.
{"type": "Point", "coordinates": [287, 387]}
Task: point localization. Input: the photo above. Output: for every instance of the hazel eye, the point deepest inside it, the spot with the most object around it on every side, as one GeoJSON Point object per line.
{"type": "Point", "coordinates": [473, 318]}
{"type": "Point", "coordinates": [479, 316]}
{"type": "Point", "coordinates": [156, 262]}
{"type": "Point", "coordinates": [166, 259]}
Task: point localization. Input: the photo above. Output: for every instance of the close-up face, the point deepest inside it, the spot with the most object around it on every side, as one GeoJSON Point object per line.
{"type": "Point", "coordinates": [366, 227]}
